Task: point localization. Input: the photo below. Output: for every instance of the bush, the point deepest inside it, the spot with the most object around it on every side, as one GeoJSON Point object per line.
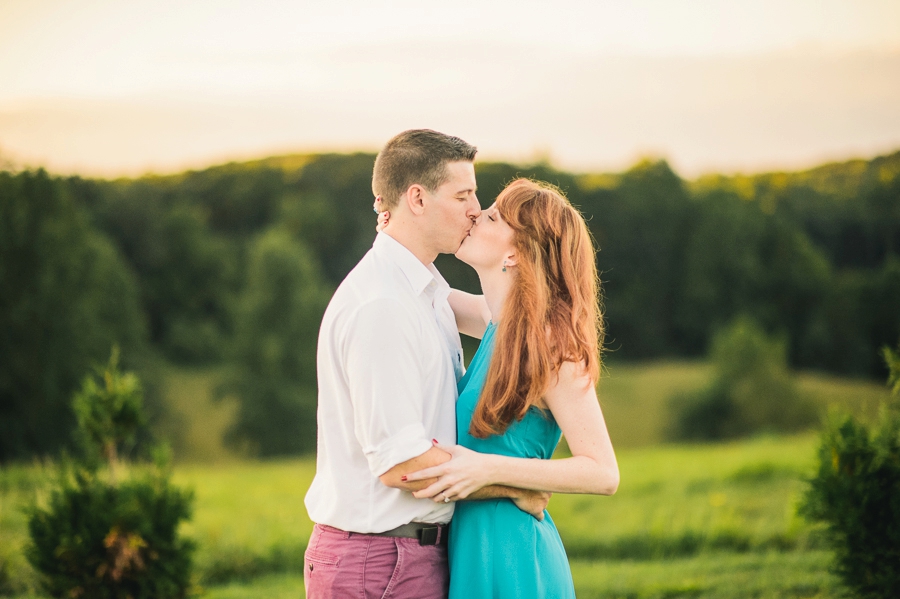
{"type": "Point", "coordinates": [856, 494]}
{"type": "Point", "coordinates": [101, 538]}
{"type": "Point", "coordinates": [751, 391]}
{"type": "Point", "coordinates": [109, 411]}
{"type": "Point", "coordinates": [104, 541]}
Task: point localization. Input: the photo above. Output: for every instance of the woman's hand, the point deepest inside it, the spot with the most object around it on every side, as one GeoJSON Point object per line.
{"type": "Point", "coordinates": [470, 474]}
{"type": "Point", "coordinates": [383, 218]}
{"type": "Point", "coordinates": [383, 215]}
{"type": "Point", "coordinates": [466, 472]}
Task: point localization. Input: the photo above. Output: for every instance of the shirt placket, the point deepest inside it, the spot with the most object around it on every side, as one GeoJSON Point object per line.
{"type": "Point", "coordinates": [430, 294]}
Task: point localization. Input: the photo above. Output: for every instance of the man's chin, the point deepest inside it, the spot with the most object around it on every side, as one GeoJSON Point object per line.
{"type": "Point", "coordinates": [452, 250]}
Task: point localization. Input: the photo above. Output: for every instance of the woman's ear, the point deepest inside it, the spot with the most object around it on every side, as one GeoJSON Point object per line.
{"type": "Point", "coordinates": [510, 259]}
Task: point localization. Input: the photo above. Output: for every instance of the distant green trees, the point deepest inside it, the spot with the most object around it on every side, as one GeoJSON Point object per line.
{"type": "Point", "coordinates": [813, 257]}
{"type": "Point", "coordinates": [274, 361]}
{"type": "Point", "coordinates": [66, 297]}
{"type": "Point", "coordinates": [187, 274]}
{"type": "Point", "coordinates": [738, 260]}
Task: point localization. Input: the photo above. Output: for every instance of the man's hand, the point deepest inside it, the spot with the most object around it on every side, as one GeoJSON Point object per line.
{"type": "Point", "coordinates": [533, 502]}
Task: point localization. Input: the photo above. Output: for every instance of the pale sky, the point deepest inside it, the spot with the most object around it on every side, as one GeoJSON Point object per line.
{"type": "Point", "coordinates": [111, 87]}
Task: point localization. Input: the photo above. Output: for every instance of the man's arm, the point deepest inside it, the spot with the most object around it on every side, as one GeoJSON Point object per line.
{"type": "Point", "coordinates": [387, 402]}
{"type": "Point", "coordinates": [532, 502]}
{"type": "Point", "coordinates": [396, 475]}
{"type": "Point", "coordinates": [390, 404]}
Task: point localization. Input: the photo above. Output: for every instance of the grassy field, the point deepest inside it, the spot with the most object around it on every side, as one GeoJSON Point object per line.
{"type": "Point", "coordinates": [693, 521]}
{"type": "Point", "coordinates": [635, 396]}
{"type": "Point", "coordinates": [688, 520]}
{"type": "Point", "coordinates": [723, 576]}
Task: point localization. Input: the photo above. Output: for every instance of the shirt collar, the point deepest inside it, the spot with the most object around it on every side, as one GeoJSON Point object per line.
{"type": "Point", "coordinates": [418, 275]}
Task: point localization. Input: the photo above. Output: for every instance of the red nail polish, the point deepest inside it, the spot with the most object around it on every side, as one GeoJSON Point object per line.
{"type": "Point", "coordinates": [403, 478]}
{"type": "Point", "coordinates": [434, 441]}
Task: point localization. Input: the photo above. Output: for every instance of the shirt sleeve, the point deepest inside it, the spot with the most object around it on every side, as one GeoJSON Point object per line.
{"type": "Point", "coordinates": [386, 383]}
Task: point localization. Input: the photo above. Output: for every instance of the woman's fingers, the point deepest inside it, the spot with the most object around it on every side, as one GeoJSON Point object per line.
{"type": "Point", "coordinates": [456, 479]}
{"type": "Point", "coordinates": [382, 221]}
{"type": "Point", "coordinates": [453, 450]}
{"type": "Point", "coordinates": [433, 472]}
{"type": "Point", "coordinates": [431, 491]}
{"type": "Point", "coordinates": [447, 486]}
{"type": "Point", "coordinates": [453, 493]}
{"type": "Point", "coordinates": [383, 218]}
{"type": "Point", "coordinates": [444, 488]}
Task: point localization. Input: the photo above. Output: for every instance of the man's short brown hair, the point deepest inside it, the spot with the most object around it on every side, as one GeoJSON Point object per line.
{"type": "Point", "coordinates": [417, 156]}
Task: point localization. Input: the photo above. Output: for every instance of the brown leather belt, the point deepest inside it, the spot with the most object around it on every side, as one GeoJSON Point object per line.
{"type": "Point", "coordinates": [427, 533]}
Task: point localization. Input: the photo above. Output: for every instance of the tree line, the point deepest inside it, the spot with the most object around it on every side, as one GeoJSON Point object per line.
{"type": "Point", "coordinates": [234, 264]}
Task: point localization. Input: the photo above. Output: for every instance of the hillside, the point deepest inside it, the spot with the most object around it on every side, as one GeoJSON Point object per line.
{"type": "Point", "coordinates": [180, 268]}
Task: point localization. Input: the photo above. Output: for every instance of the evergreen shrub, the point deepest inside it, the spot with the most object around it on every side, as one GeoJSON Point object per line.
{"type": "Point", "coordinates": [102, 538]}
{"type": "Point", "coordinates": [856, 494]}
{"type": "Point", "coordinates": [106, 541]}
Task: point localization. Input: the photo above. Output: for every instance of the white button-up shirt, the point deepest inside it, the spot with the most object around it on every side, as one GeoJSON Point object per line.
{"type": "Point", "coordinates": [389, 358]}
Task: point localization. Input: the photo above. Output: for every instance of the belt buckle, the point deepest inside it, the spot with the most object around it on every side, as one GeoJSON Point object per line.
{"type": "Point", "coordinates": [429, 535]}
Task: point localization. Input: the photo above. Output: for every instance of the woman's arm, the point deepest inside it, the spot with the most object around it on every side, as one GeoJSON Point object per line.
{"type": "Point", "coordinates": [592, 468]}
{"type": "Point", "coordinates": [471, 311]}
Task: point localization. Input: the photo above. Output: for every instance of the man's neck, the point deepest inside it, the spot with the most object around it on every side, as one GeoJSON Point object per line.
{"type": "Point", "coordinates": [410, 238]}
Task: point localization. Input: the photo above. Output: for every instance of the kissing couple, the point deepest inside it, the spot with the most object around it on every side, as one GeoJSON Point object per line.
{"type": "Point", "coordinates": [432, 480]}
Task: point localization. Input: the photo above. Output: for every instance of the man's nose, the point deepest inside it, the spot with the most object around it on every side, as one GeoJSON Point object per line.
{"type": "Point", "coordinates": [475, 210]}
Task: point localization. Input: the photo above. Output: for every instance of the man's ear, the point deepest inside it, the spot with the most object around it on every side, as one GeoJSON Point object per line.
{"type": "Point", "coordinates": [415, 199]}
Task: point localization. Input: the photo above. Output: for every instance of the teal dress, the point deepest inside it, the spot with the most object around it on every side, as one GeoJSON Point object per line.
{"type": "Point", "coordinates": [496, 550]}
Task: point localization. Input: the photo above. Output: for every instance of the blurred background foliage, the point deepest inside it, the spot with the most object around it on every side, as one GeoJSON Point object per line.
{"type": "Point", "coordinates": [230, 268]}
{"type": "Point", "coordinates": [751, 391]}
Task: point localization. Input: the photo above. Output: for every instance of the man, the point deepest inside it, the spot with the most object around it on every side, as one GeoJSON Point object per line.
{"type": "Point", "coordinates": [389, 358]}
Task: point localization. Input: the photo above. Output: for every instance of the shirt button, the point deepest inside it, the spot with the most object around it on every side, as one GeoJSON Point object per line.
{"type": "Point", "coordinates": [310, 567]}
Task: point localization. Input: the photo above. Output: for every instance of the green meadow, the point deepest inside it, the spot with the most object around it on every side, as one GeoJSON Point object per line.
{"type": "Point", "coordinates": [688, 520]}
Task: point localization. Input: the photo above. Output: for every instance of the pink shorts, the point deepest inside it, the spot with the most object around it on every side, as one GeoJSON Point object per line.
{"type": "Point", "coordinates": [342, 564]}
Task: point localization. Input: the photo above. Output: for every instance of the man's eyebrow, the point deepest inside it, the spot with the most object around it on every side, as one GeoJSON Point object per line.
{"type": "Point", "coordinates": [468, 189]}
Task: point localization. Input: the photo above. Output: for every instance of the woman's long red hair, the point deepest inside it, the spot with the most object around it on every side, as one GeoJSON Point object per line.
{"type": "Point", "coordinates": [552, 314]}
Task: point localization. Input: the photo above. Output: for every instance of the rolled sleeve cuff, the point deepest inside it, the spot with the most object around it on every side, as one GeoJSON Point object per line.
{"type": "Point", "coordinates": [407, 443]}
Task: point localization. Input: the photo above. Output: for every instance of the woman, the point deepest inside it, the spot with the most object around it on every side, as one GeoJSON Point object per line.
{"type": "Point", "coordinates": [533, 378]}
